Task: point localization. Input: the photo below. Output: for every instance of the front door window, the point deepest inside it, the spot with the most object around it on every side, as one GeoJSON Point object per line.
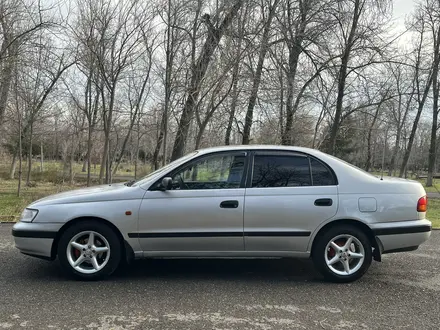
{"type": "Point", "coordinates": [214, 172]}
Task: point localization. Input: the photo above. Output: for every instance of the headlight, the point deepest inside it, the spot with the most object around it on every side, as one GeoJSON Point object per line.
{"type": "Point", "coordinates": [28, 215]}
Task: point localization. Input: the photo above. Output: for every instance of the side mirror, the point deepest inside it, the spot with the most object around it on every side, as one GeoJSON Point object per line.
{"type": "Point", "coordinates": [167, 183]}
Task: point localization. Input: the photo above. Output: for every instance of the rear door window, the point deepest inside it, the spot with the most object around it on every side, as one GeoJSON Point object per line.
{"type": "Point", "coordinates": [281, 171]}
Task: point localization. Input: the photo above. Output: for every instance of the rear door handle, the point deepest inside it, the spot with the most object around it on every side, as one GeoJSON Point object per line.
{"type": "Point", "coordinates": [229, 204]}
{"type": "Point", "coordinates": [324, 202]}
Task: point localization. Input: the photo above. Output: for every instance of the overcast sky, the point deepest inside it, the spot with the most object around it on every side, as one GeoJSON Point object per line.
{"type": "Point", "coordinates": [401, 9]}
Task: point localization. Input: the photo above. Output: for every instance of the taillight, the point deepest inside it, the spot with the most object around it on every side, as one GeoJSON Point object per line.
{"type": "Point", "coordinates": [422, 204]}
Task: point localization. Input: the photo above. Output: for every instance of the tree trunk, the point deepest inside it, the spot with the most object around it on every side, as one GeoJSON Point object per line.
{"type": "Point", "coordinates": [287, 133]}
{"type": "Point", "coordinates": [20, 157]}
{"type": "Point", "coordinates": [368, 162]}
{"type": "Point", "coordinates": [14, 161]}
{"type": "Point", "coordinates": [105, 161]}
{"type": "Point", "coordinates": [234, 100]}
{"type": "Point", "coordinates": [414, 130]}
{"type": "Point", "coordinates": [160, 138]}
{"type": "Point", "coordinates": [65, 158]}
{"type": "Point", "coordinates": [102, 170]}
{"type": "Point", "coordinates": [200, 134]}
{"type": "Point", "coordinates": [124, 146]}
{"type": "Point", "coordinates": [433, 145]}
{"type": "Point", "coordinates": [395, 152]}
{"type": "Point", "coordinates": [342, 77]}
{"type": "Point", "coordinates": [385, 144]}
{"type": "Point", "coordinates": [89, 154]}
{"type": "Point", "coordinates": [136, 158]}
{"type": "Point", "coordinates": [6, 78]}
{"type": "Point", "coordinates": [71, 159]}
{"type": "Point", "coordinates": [257, 77]}
{"type": "Point", "coordinates": [234, 93]}
{"type": "Point", "coordinates": [56, 150]}
{"type": "Point", "coordinates": [295, 49]}
{"type": "Point", "coordinates": [28, 176]}
{"type": "Point", "coordinates": [281, 110]}
{"type": "Point", "coordinates": [169, 53]}
{"type": "Point", "coordinates": [396, 146]}
{"type": "Point", "coordinates": [41, 157]}
{"type": "Point", "coordinates": [211, 44]}
{"type": "Point", "coordinates": [435, 94]}
{"type": "Point", "coordinates": [369, 142]}
{"type": "Point", "coordinates": [108, 167]}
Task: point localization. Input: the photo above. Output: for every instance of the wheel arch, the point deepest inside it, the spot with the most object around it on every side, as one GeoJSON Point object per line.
{"type": "Point", "coordinates": [126, 248]}
{"type": "Point", "coordinates": [355, 223]}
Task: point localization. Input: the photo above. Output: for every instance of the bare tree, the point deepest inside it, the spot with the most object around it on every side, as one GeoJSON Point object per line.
{"type": "Point", "coordinates": [358, 34]}
{"type": "Point", "coordinates": [432, 11]}
{"type": "Point", "coordinates": [405, 90]}
{"type": "Point", "coordinates": [214, 35]}
{"type": "Point", "coordinates": [35, 84]}
{"type": "Point", "coordinates": [172, 43]}
{"type": "Point", "coordinates": [19, 22]}
{"type": "Point", "coordinates": [423, 82]}
{"type": "Point", "coordinates": [117, 44]}
{"type": "Point", "coordinates": [264, 47]}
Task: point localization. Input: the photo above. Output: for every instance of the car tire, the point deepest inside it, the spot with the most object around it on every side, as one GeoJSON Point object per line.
{"type": "Point", "coordinates": [332, 260]}
{"type": "Point", "coordinates": [93, 260]}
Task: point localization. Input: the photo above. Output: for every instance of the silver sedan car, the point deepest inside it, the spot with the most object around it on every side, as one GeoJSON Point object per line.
{"type": "Point", "coordinates": [235, 201]}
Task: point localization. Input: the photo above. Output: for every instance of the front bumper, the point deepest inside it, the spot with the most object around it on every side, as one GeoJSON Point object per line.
{"type": "Point", "coordinates": [35, 238]}
{"type": "Point", "coordinates": [401, 236]}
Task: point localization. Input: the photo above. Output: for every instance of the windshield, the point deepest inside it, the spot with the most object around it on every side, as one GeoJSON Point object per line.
{"type": "Point", "coordinates": [163, 169]}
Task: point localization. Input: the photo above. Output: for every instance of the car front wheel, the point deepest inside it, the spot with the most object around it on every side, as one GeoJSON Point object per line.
{"type": "Point", "coordinates": [89, 250]}
{"type": "Point", "coordinates": [343, 254]}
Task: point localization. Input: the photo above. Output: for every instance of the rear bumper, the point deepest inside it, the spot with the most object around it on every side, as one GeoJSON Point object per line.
{"type": "Point", "coordinates": [35, 239]}
{"type": "Point", "coordinates": [402, 235]}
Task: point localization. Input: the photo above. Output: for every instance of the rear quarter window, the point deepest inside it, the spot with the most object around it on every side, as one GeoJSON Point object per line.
{"type": "Point", "coordinates": [321, 174]}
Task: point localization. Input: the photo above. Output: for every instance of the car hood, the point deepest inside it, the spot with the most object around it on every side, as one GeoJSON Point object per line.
{"type": "Point", "coordinates": [101, 193]}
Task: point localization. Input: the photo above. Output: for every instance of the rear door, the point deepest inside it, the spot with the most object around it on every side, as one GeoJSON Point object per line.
{"type": "Point", "coordinates": [288, 195]}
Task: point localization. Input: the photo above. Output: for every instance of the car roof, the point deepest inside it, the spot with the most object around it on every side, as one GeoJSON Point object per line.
{"type": "Point", "coordinates": [258, 147]}
{"type": "Point", "coordinates": [345, 172]}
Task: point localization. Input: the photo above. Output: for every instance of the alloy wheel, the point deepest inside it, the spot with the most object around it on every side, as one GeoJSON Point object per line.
{"type": "Point", "coordinates": [344, 254]}
{"type": "Point", "coordinates": [88, 252]}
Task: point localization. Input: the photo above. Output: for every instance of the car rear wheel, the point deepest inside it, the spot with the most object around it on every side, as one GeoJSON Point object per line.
{"type": "Point", "coordinates": [89, 250]}
{"type": "Point", "coordinates": [343, 254]}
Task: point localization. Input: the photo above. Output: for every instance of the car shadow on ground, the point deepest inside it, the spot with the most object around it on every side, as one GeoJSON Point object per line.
{"type": "Point", "coordinates": [245, 270]}
{"type": "Point", "coordinates": [232, 269]}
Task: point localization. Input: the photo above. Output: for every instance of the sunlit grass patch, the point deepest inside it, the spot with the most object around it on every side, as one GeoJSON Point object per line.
{"type": "Point", "coordinates": [11, 205]}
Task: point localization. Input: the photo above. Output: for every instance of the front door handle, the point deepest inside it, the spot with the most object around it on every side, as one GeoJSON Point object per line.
{"type": "Point", "coordinates": [229, 204]}
{"type": "Point", "coordinates": [324, 202]}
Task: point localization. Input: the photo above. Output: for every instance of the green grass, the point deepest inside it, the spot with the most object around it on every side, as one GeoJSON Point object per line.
{"type": "Point", "coordinates": [11, 205]}
{"type": "Point", "coordinates": [435, 186]}
{"type": "Point", "coordinates": [434, 212]}
{"type": "Point", "coordinates": [50, 181]}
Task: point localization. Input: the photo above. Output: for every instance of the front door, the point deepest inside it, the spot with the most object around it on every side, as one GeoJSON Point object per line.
{"type": "Point", "coordinates": [288, 196]}
{"type": "Point", "coordinates": [202, 212]}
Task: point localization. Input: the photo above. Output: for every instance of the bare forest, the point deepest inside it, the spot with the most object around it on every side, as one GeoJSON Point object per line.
{"type": "Point", "coordinates": [128, 84]}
